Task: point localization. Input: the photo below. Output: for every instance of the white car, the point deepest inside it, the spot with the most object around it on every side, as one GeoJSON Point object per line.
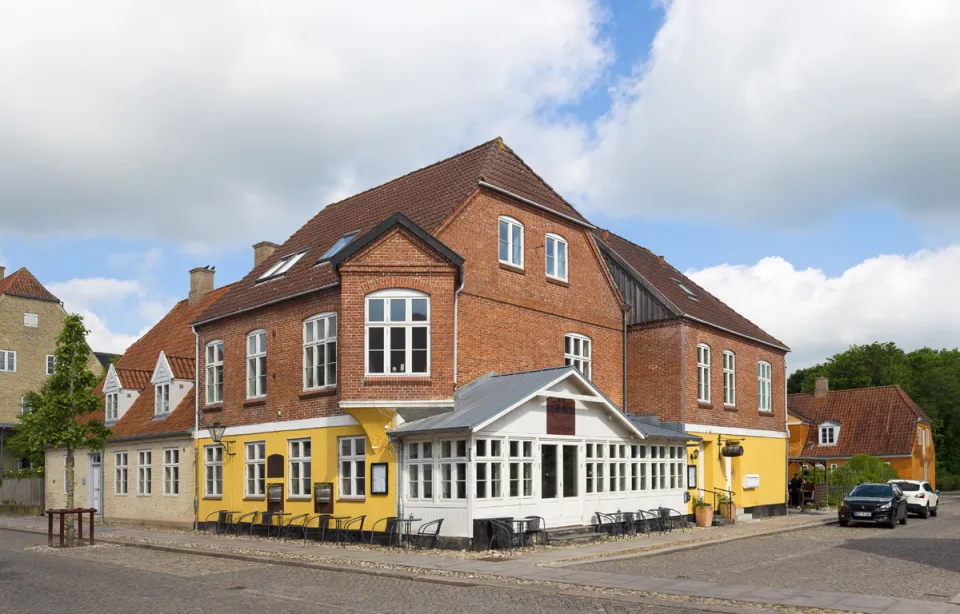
{"type": "Point", "coordinates": [921, 498]}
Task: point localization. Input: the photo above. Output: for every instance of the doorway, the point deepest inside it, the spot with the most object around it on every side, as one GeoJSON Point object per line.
{"type": "Point", "coordinates": [95, 473]}
{"type": "Point", "coordinates": [560, 483]}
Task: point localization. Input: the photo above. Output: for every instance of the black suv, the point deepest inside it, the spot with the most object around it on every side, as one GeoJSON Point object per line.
{"type": "Point", "coordinates": [878, 503]}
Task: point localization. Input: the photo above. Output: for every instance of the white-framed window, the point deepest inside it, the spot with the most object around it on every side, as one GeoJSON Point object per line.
{"type": "Point", "coordinates": [556, 257]}
{"type": "Point", "coordinates": [111, 404]}
{"type": "Point", "coordinates": [489, 468]}
{"type": "Point", "coordinates": [397, 333]}
{"type": "Point", "coordinates": [353, 467]}
{"type": "Point", "coordinates": [453, 469]}
{"type": "Point", "coordinates": [339, 245]}
{"type": "Point", "coordinates": [256, 364]}
{"type": "Point", "coordinates": [8, 361]}
{"type": "Point", "coordinates": [256, 453]}
{"type": "Point", "coordinates": [729, 378]}
{"type": "Point", "coordinates": [639, 469]}
{"type": "Point", "coordinates": [214, 362]}
{"type": "Point", "coordinates": [298, 467]}
{"type": "Point", "coordinates": [829, 433]}
{"type": "Point", "coordinates": [420, 470]}
{"type": "Point", "coordinates": [171, 471]}
{"type": "Point", "coordinates": [320, 351]}
{"type": "Point", "coordinates": [120, 475]}
{"type": "Point", "coordinates": [578, 351]}
{"type": "Point", "coordinates": [213, 471]}
{"type": "Point", "coordinates": [764, 378]}
{"type": "Point", "coordinates": [282, 266]}
{"type": "Point", "coordinates": [520, 468]}
{"type": "Point", "coordinates": [703, 373]}
{"type": "Point", "coordinates": [596, 468]}
{"type": "Point", "coordinates": [51, 363]}
{"type": "Point", "coordinates": [31, 320]}
{"type": "Point", "coordinates": [161, 399]}
{"type": "Point", "coordinates": [144, 472]}
{"type": "Point", "coordinates": [511, 241]}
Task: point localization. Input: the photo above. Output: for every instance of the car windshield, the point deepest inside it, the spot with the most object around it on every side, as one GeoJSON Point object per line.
{"type": "Point", "coordinates": [905, 486]}
{"type": "Point", "coordinates": [872, 490]}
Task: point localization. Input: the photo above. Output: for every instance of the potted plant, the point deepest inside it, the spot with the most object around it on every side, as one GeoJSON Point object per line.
{"type": "Point", "coordinates": [728, 509]}
{"type": "Point", "coordinates": [703, 512]}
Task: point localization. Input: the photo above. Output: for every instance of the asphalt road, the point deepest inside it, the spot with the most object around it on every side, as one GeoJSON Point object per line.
{"type": "Point", "coordinates": [918, 561]}
{"type": "Point", "coordinates": [116, 579]}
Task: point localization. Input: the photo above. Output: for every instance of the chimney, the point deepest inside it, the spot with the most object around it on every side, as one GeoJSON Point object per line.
{"type": "Point", "coordinates": [3, 272]}
{"type": "Point", "coordinates": [662, 259]}
{"type": "Point", "coordinates": [822, 387]}
{"type": "Point", "coordinates": [262, 251]}
{"type": "Point", "coordinates": [605, 235]}
{"type": "Point", "coordinates": [201, 282]}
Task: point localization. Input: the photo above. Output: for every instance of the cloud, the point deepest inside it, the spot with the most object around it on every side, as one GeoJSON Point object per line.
{"type": "Point", "coordinates": [910, 300]}
{"type": "Point", "coordinates": [771, 111]}
{"type": "Point", "coordinates": [227, 122]}
{"type": "Point", "coordinates": [96, 296]}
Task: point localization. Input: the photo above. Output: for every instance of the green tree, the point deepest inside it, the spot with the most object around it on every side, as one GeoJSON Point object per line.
{"type": "Point", "coordinates": [57, 415]}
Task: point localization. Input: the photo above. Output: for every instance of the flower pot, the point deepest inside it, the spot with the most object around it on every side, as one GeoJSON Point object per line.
{"type": "Point", "coordinates": [704, 516]}
{"type": "Point", "coordinates": [728, 510]}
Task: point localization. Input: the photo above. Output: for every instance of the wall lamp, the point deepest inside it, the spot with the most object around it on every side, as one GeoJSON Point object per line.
{"type": "Point", "coordinates": [695, 454]}
{"type": "Point", "coordinates": [216, 434]}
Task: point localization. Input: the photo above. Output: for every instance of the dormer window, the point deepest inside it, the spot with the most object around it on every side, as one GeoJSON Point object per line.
{"type": "Point", "coordinates": [511, 241]}
{"type": "Point", "coordinates": [112, 402]}
{"type": "Point", "coordinates": [282, 266]}
{"type": "Point", "coordinates": [340, 244]}
{"type": "Point", "coordinates": [161, 399]}
{"type": "Point", "coordinates": [829, 432]}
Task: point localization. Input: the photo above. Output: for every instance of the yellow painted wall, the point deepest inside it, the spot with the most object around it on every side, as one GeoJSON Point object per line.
{"type": "Point", "coordinates": [324, 468]}
{"type": "Point", "coordinates": [764, 456]}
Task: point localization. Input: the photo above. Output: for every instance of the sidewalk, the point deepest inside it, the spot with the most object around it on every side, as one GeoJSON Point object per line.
{"type": "Point", "coordinates": [545, 567]}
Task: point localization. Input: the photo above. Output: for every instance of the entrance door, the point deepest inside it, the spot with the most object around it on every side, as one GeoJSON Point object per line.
{"type": "Point", "coordinates": [93, 491]}
{"type": "Point", "coordinates": [560, 484]}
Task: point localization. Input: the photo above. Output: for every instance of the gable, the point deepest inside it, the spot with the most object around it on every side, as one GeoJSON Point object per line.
{"type": "Point", "coordinates": [162, 372]}
{"type": "Point", "coordinates": [397, 248]}
{"type": "Point", "coordinates": [112, 382]}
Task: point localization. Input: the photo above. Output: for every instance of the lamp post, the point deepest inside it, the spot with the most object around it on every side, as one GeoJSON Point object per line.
{"type": "Point", "coordinates": [216, 434]}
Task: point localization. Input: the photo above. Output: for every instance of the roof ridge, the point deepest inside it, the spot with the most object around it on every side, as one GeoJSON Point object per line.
{"type": "Point", "coordinates": [802, 394]}
{"type": "Point", "coordinates": [558, 368]}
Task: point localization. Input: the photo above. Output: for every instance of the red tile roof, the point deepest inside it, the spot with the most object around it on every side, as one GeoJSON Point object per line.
{"type": "Point", "coordinates": [140, 419]}
{"type": "Point", "coordinates": [134, 379]}
{"type": "Point", "coordinates": [876, 421]}
{"type": "Point", "coordinates": [427, 197]}
{"type": "Point", "coordinates": [663, 277]}
{"type": "Point", "coordinates": [182, 367]}
{"type": "Point", "coordinates": [22, 283]}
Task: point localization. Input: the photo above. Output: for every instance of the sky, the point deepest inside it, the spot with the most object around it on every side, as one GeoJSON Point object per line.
{"type": "Point", "coordinates": [798, 160]}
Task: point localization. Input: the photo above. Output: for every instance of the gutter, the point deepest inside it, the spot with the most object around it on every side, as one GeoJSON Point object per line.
{"type": "Point", "coordinates": [490, 186]}
{"type": "Point", "coordinates": [732, 332]}
{"type": "Point", "coordinates": [149, 436]}
{"type": "Point", "coordinates": [267, 304]}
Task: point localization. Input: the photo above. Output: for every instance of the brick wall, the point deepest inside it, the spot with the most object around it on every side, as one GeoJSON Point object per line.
{"type": "Point", "coordinates": [654, 370]}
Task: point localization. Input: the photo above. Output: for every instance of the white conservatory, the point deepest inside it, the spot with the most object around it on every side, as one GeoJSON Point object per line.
{"type": "Point", "coordinates": [542, 443]}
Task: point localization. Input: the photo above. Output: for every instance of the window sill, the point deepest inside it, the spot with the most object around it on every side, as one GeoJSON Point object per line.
{"type": "Point", "coordinates": [213, 497]}
{"type": "Point", "coordinates": [512, 268]}
{"type": "Point", "coordinates": [705, 404]}
{"type": "Point", "coordinates": [558, 282]}
{"type": "Point", "coordinates": [319, 392]}
{"type": "Point", "coordinates": [212, 407]}
{"type": "Point", "coordinates": [254, 498]}
{"type": "Point", "coordinates": [255, 402]}
{"type": "Point", "coordinates": [352, 499]}
{"type": "Point", "coordinates": [765, 412]}
{"type": "Point", "coordinates": [397, 380]}
{"type": "Point", "coordinates": [299, 498]}
{"type": "Point", "coordinates": [729, 407]}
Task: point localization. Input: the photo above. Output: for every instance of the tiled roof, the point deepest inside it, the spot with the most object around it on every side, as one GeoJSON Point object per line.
{"type": "Point", "coordinates": [22, 283]}
{"type": "Point", "coordinates": [134, 379]}
{"type": "Point", "coordinates": [182, 367]}
{"type": "Point", "coordinates": [140, 419]}
{"type": "Point", "coordinates": [877, 421]}
{"type": "Point", "coordinates": [663, 277]}
{"type": "Point", "coordinates": [427, 197]}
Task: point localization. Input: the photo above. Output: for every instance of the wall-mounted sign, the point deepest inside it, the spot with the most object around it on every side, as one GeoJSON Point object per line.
{"type": "Point", "coordinates": [274, 492]}
{"type": "Point", "coordinates": [323, 498]}
{"type": "Point", "coordinates": [378, 479]}
{"type": "Point", "coordinates": [561, 416]}
{"type": "Point", "coordinates": [692, 477]}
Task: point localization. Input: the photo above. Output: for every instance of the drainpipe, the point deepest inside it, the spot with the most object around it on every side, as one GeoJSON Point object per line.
{"type": "Point", "coordinates": [626, 406]}
{"type": "Point", "coordinates": [786, 452]}
{"type": "Point", "coordinates": [196, 429]}
{"type": "Point", "coordinates": [456, 313]}
{"type": "Point", "coordinates": [683, 375]}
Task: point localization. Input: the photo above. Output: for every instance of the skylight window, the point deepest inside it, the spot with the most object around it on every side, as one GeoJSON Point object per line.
{"type": "Point", "coordinates": [282, 266]}
{"type": "Point", "coordinates": [685, 289]}
{"type": "Point", "coordinates": [340, 244]}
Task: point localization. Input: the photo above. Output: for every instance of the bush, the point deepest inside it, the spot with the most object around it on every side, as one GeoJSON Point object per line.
{"type": "Point", "coordinates": [860, 468]}
{"type": "Point", "coordinates": [23, 473]}
{"type": "Point", "coordinates": [948, 481]}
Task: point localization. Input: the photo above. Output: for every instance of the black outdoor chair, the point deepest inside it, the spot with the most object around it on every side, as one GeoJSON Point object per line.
{"type": "Point", "coordinates": [224, 521]}
{"type": "Point", "coordinates": [354, 524]}
{"type": "Point", "coordinates": [428, 532]}
{"type": "Point", "coordinates": [266, 525]}
{"type": "Point", "coordinates": [503, 536]}
{"type": "Point", "coordinates": [390, 529]}
{"type": "Point", "coordinates": [250, 518]}
{"type": "Point", "coordinates": [297, 525]}
{"type": "Point", "coordinates": [669, 519]}
{"type": "Point", "coordinates": [323, 523]}
{"type": "Point", "coordinates": [609, 523]}
{"type": "Point", "coordinates": [536, 529]}
{"type": "Point", "coordinates": [645, 522]}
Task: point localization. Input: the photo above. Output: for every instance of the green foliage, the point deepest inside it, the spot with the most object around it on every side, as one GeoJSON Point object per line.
{"type": "Point", "coordinates": [860, 468]}
{"type": "Point", "coordinates": [948, 481]}
{"type": "Point", "coordinates": [26, 472]}
{"type": "Point", "coordinates": [700, 502]}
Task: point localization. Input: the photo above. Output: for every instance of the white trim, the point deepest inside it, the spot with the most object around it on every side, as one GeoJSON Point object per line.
{"type": "Point", "coordinates": [732, 372]}
{"type": "Point", "coordinates": [584, 357]}
{"type": "Point", "coordinates": [706, 429]}
{"type": "Point", "coordinates": [211, 365]}
{"type": "Point", "coordinates": [535, 204]}
{"type": "Point", "coordinates": [557, 239]}
{"type": "Point", "coordinates": [510, 221]}
{"type": "Point", "coordinates": [704, 374]}
{"type": "Point", "coordinates": [311, 347]}
{"type": "Point", "coordinates": [161, 369]}
{"type": "Point", "coordinates": [397, 404]}
{"type": "Point", "coordinates": [586, 398]}
{"type": "Point", "coordinates": [6, 361]}
{"type": "Point", "coordinates": [290, 425]}
{"type": "Point", "coordinates": [260, 352]}
{"type": "Point", "coordinates": [408, 325]}
{"type": "Point", "coordinates": [112, 382]}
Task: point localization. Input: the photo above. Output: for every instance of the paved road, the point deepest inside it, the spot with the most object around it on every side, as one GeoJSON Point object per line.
{"type": "Point", "coordinates": [114, 579]}
{"type": "Point", "coordinates": [918, 561]}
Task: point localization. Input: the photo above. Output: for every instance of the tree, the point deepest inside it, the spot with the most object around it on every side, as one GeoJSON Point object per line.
{"type": "Point", "coordinates": [58, 415]}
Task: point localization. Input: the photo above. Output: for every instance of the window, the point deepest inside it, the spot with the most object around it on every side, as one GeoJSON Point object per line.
{"type": "Point", "coordinates": [685, 289]}
{"type": "Point", "coordinates": [171, 471]}
{"type": "Point", "coordinates": [299, 467]}
{"type": "Point", "coordinates": [111, 411]}
{"type": "Point", "coordinates": [213, 471]}
{"type": "Point", "coordinates": [703, 373]}
{"type": "Point", "coordinates": [420, 470]}
{"type": "Point", "coordinates": [214, 362]}
{"type": "Point", "coordinates": [833, 466]}
{"type": "Point", "coordinates": [556, 257]}
{"type": "Point", "coordinates": [120, 482]}
{"type": "Point", "coordinates": [729, 378]}
{"type": "Point", "coordinates": [256, 364]}
{"type": "Point", "coordinates": [521, 468]}
{"type": "Point", "coordinates": [763, 380]}
{"type": "Point", "coordinates": [255, 469]}
{"type": "Point", "coordinates": [638, 471]}
{"type": "Point", "coordinates": [144, 472]}
{"type": "Point", "coordinates": [282, 266]}
{"type": "Point", "coordinates": [453, 469]}
{"type": "Point", "coordinates": [51, 363]}
{"type": "Point", "coordinates": [828, 434]}
{"type": "Point", "coordinates": [489, 474]}
{"type": "Point", "coordinates": [31, 320]}
{"type": "Point", "coordinates": [353, 467]}
{"type": "Point", "coordinates": [8, 361]}
{"type": "Point", "coordinates": [340, 244]}
{"type": "Point", "coordinates": [511, 242]}
{"type": "Point", "coordinates": [161, 399]}
{"type": "Point", "coordinates": [578, 351]}
{"type": "Point", "coordinates": [398, 333]}
{"type": "Point", "coordinates": [320, 351]}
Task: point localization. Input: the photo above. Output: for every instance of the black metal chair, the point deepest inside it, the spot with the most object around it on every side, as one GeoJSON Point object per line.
{"type": "Point", "coordinates": [296, 525]}
{"type": "Point", "coordinates": [323, 523]}
{"type": "Point", "coordinates": [389, 529]}
{"type": "Point", "coordinates": [609, 523]}
{"type": "Point", "coordinates": [266, 524]}
{"type": "Point", "coordinates": [675, 519]}
{"type": "Point", "coordinates": [354, 524]}
{"type": "Point", "coordinates": [645, 521]}
{"type": "Point", "coordinates": [536, 529]}
{"type": "Point", "coordinates": [503, 535]}
{"type": "Point", "coordinates": [250, 517]}
{"type": "Point", "coordinates": [224, 521]}
{"type": "Point", "coordinates": [428, 532]}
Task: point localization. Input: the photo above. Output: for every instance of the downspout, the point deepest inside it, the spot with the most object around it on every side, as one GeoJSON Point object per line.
{"type": "Point", "coordinates": [683, 375]}
{"type": "Point", "coordinates": [786, 452]}
{"type": "Point", "coordinates": [196, 429]}
{"type": "Point", "coordinates": [626, 405]}
{"type": "Point", "coordinates": [456, 313]}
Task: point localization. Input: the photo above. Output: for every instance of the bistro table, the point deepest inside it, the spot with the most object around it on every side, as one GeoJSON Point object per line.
{"type": "Point", "coordinates": [407, 530]}
{"type": "Point", "coordinates": [338, 530]}
{"type": "Point", "coordinates": [276, 522]}
{"type": "Point", "coordinates": [520, 526]}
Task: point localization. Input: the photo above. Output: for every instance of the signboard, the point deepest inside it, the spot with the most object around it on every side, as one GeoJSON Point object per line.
{"type": "Point", "coordinates": [378, 477]}
{"type": "Point", "coordinates": [274, 492]}
{"type": "Point", "coordinates": [323, 498]}
{"type": "Point", "coordinates": [561, 416]}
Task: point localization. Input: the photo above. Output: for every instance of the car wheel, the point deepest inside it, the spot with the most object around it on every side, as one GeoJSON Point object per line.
{"type": "Point", "coordinates": [893, 521]}
{"type": "Point", "coordinates": [844, 523]}
{"type": "Point", "coordinates": [904, 519]}
{"type": "Point", "coordinates": [925, 512]}
{"type": "Point", "coordinates": [933, 512]}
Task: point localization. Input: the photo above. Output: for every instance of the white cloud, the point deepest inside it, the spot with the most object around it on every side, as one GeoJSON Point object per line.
{"type": "Point", "coordinates": [233, 121]}
{"type": "Point", "coordinates": [910, 300]}
{"type": "Point", "coordinates": [771, 111]}
{"type": "Point", "coordinates": [94, 297]}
